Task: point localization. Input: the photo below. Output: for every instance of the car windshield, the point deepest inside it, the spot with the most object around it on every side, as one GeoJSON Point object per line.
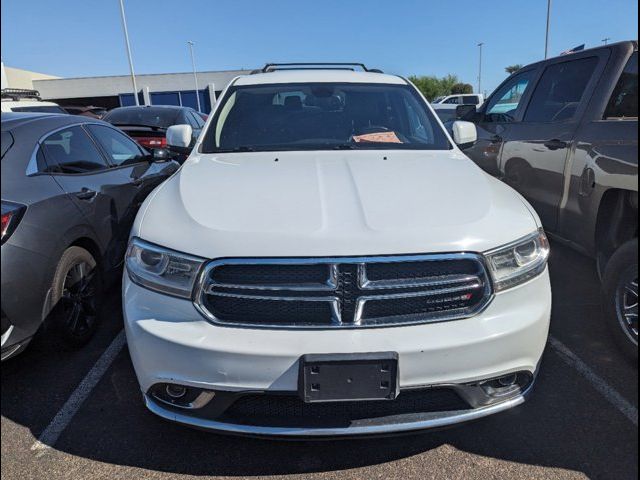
{"type": "Point", "coordinates": [323, 116]}
{"type": "Point", "coordinates": [144, 116]}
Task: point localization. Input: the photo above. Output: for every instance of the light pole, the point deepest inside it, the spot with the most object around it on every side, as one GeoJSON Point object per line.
{"type": "Point", "coordinates": [195, 76]}
{"type": "Point", "coordinates": [126, 41]}
{"type": "Point", "coordinates": [480, 69]}
{"type": "Point", "coordinates": [606, 40]}
{"type": "Point", "coordinates": [546, 39]}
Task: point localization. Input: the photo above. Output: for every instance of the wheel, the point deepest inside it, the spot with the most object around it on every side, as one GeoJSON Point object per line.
{"type": "Point", "coordinates": [620, 302]}
{"type": "Point", "coordinates": [76, 295]}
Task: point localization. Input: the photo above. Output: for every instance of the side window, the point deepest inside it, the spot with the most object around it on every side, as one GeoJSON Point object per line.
{"type": "Point", "coordinates": [120, 149]}
{"type": "Point", "coordinates": [560, 91]}
{"type": "Point", "coordinates": [624, 100]}
{"type": "Point", "coordinates": [470, 100]}
{"type": "Point", "coordinates": [451, 100]}
{"type": "Point", "coordinates": [71, 151]}
{"type": "Point", "coordinates": [505, 102]}
{"type": "Point", "coordinates": [194, 120]}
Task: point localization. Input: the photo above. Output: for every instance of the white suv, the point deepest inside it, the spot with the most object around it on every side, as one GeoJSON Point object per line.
{"type": "Point", "coordinates": [327, 262]}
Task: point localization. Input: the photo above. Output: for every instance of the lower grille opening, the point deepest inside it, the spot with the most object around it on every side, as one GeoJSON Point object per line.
{"type": "Point", "coordinates": [271, 410]}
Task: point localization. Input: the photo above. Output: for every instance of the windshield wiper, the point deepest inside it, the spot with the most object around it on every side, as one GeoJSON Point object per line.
{"type": "Point", "coordinates": [345, 146]}
{"type": "Point", "coordinates": [242, 148]}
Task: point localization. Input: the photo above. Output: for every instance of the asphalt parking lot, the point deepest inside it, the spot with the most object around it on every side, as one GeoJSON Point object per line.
{"type": "Point", "coordinates": [581, 421]}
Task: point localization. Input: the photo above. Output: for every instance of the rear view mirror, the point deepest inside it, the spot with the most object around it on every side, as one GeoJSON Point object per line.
{"type": "Point", "coordinates": [465, 112]}
{"type": "Point", "coordinates": [464, 133]}
{"type": "Point", "coordinates": [179, 138]}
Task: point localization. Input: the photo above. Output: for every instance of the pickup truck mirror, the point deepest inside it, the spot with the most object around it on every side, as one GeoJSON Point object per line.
{"type": "Point", "coordinates": [465, 112]}
{"type": "Point", "coordinates": [179, 138]}
{"type": "Point", "coordinates": [465, 134]}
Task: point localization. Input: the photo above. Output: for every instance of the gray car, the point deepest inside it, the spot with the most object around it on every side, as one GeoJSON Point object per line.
{"type": "Point", "coordinates": [564, 133]}
{"type": "Point", "coordinates": [71, 188]}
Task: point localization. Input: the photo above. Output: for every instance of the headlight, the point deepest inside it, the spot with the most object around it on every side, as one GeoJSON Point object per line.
{"type": "Point", "coordinates": [161, 269]}
{"type": "Point", "coordinates": [518, 262]}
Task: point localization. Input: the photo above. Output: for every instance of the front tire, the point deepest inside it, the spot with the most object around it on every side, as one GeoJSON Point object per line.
{"type": "Point", "coordinates": [620, 285]}
{"type": "Point", "coordinates": [76, 295]}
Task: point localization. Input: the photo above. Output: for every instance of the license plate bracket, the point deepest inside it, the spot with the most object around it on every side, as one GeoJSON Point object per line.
{"type": "Point", "coordinates": [348, 377]}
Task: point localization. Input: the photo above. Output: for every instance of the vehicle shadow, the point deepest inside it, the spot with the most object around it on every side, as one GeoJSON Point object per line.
{"type": "Point", "coordinates": [565, 425]}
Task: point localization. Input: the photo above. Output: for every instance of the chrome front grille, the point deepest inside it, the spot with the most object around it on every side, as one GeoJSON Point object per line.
{"type": "Point", "coordinates": [343, 292]}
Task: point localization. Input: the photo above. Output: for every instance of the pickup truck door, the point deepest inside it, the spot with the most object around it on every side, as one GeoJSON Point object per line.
{"type": "Point", "coordinates": [536, 150]}
{"type": "Point", "coordinates": [496, 117]}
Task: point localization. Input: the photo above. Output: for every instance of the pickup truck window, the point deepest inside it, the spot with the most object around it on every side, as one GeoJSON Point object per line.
{"type": "Point", "coordinates": [624, 100]}
{"type": "Point", "coordinates": [560, 91]}
{"type": "Point", "coordinates": [505, 102]}
{"type": "Point", "coordinates": [323, 116]}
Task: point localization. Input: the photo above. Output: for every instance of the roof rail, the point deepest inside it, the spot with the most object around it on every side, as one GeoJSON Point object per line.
{"type": "Point", "coordinates": [272, 67]}
{"type": "Point", "coordinates": [18, 93]}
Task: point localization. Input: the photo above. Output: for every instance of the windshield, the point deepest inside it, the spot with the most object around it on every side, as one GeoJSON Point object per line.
{"type": "Point", "coordinates": [323, 116]}
{"type": "Point", "coordinates": [144, 116]}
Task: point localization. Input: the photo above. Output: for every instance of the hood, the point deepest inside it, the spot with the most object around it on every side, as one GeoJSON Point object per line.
{"type": "Point", "coordinates": [330, 203]}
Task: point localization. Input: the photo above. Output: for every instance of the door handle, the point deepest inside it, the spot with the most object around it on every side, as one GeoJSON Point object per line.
{"type": "Point", "coordinates": [496, 139]}
{"type": "Point", "coordinates": [86, 194]}
{"type": "Point", "coordinates": [555, 144]}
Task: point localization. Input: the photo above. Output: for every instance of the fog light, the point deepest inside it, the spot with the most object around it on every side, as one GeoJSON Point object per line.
{"type": "Point", "coordinates": [175, 391]}
{"type": "Point", "coordinates": [508, 380]}
{"type": "Point", "coordinates": [181, 396]}
{"type": "Point", "coordinates": [507, 385]}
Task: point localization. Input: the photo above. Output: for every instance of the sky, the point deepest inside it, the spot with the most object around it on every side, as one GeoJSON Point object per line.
{"type": "Point", "coordinates": [78, 38]}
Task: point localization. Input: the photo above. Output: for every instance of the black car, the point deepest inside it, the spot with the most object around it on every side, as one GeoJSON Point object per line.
{"type": "Point", "coordinates": [71, 188]}
{"type": "Point", "coordinates": [564, 133]}
{"type": "Point", "coordinates": [148, 124]}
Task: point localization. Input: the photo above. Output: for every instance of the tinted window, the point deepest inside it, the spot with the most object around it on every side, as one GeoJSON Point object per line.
{"type": "Point", "coordinates": [7, 141]}
{"type": "Point", "coordinates": [72, 151]}
{"type": "Point", "coordinates": [470, 100]}
{"type": "Point", "coordinates": [197, 119]}
{"type": "Point", "coordinates": [624, 101]}
{"type": "Point", "coordinates": [40, 109]}
{"type": "Point", "coordinates": [451, 100]}
{"type": "Point", "coordinates": [505, 102]}
{"type": "Point", "coordinates": [119, 148]}
{"type": "Point", "coordinates": [323, 116]}
{"type": "Point", "coordinates": [145, 116]}
{"type": "Point", "coordinates": [560, 91]}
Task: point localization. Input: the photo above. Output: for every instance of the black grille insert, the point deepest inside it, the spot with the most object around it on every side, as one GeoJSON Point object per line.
{"type": "Point", "coordinates": [344, 292]}
{"type": "Point", "coordinates": [290, 411]}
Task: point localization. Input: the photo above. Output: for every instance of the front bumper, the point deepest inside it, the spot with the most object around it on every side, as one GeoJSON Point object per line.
{"type": "Point", "coordinates": [170, 342]}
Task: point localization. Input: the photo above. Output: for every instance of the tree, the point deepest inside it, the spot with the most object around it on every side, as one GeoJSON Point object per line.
{"type": "Point", "coordinates": [460, 88]}
{"type": "Point", "coordinates": [433, 87]}
{"type": "Point", "coordinates": [513, 68]}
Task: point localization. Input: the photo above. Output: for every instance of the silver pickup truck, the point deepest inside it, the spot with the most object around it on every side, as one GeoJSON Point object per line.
{"type": "Point", "coordinates": [564, 133]}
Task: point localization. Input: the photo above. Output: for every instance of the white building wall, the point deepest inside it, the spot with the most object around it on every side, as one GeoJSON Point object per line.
{"type": "Point", "coordinates": [108, 86]}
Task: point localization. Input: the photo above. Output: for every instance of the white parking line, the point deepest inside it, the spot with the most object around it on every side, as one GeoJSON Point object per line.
{"type": "Point", "coordinates": [612, 396]}
{"type": "Point", "coordinates": [53, 431]}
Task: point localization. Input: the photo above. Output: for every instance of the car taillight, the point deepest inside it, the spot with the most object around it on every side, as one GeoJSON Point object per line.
{"type": "Point", "coordinates": [152, 142]}
{"type": "Point", "coordinates": [11, 215]}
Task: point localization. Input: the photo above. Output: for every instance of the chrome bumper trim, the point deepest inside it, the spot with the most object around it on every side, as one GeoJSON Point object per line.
{"type": "Point", "coordinates": [419, 421]}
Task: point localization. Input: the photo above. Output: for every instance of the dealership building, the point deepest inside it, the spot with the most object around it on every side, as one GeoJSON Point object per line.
{"type": "Point", "coordinates": [116, 91]}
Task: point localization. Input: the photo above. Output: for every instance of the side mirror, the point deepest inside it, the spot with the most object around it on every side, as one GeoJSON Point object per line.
{"type": "Point", "coordinates": [161, 155]}
{"type": "Point", "coordinates": [465, 134]}
{"type": "Point", "coordinates": [465, 112]}
{"type": "Point", "coordinates": [179, 138]}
